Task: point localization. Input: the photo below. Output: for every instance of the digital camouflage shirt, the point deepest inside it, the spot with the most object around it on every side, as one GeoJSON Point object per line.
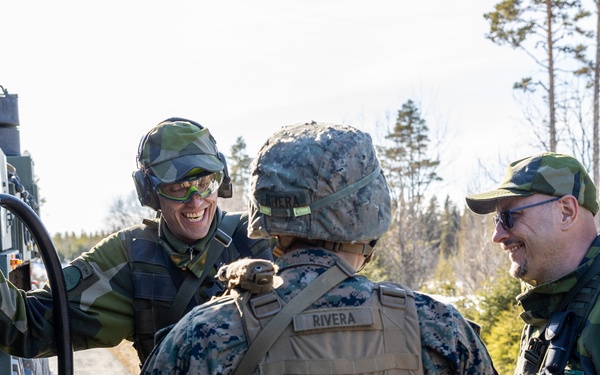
{"type": "Point", "coordinates": [211, 338]}
{"type": "Point", "coordinates": [541, 301]}
{"type": "Point", "coordinates": [101, 293]}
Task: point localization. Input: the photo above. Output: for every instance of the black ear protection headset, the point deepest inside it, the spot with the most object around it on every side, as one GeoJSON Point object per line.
{"type": "Point", "coordinates": [143, 186]}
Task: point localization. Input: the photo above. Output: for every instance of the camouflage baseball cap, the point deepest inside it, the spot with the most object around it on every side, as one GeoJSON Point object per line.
{"type": "Point", "coordinates": [319, 181]}
{"type": "Point", "coordinates": [173, 148]}
{"type": "Point", "coordinates": [547, 173]}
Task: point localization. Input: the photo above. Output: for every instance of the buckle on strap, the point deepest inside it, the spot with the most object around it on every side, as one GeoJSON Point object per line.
{"type": "Point", "coordinates": [392, 297]}
{"type": "Point", "coordinates": [265, 305]}
{"type": "Point", "coordinates": [536, 348]}
{"type": "Point", "coordinates": [222, 237]}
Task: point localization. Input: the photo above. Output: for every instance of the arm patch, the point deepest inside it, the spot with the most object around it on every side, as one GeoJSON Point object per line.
{"type": "Point", "coordinates": [76, 272]}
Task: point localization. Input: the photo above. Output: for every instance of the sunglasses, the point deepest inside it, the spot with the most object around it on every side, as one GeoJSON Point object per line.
{"type": "Point", "coordinates": [505, 218]}
{"type": "Point", "coordinates": [181, 191]}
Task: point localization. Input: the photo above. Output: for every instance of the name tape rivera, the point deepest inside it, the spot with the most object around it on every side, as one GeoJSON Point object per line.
{"type": "Point", "coordinates": [324, 319]}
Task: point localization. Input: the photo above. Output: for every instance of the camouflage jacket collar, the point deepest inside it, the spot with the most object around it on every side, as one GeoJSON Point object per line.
{"type": "Point", "coordinates": [539, 302]}
{"type": "Point", "coordinates": [182, 253]}
{"type": "Point", "coordinates": [310, 257]}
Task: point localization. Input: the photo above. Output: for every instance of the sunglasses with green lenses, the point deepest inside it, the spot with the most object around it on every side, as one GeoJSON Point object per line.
{"type": "Point", "coordinates": [203, 184]}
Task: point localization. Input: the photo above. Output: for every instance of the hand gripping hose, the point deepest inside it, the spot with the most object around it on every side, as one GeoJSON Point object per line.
{"type": "Point", "coordinates": [62, 329]}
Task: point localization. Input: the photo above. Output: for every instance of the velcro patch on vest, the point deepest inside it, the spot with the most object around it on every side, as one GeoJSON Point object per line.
{"type": "Point", "coordinates": [343, 318]}
{"type": "Point", "coordinates": [84, 267]}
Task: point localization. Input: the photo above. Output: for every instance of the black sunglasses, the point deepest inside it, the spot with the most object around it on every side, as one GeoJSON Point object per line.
{"type": "Point", "coordinates": [505, 217]}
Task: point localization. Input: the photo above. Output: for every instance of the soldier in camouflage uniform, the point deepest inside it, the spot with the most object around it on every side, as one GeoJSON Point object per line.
{"type": "Point", "coordinates": [545, 208]}
{"type": "Point", "coordinates": [125, 287]}
{"type": "Point", "coordinates": [319, 189]}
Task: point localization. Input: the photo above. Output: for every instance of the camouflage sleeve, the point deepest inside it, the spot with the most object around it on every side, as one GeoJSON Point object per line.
{"type": "Point", "coordinates": [449, 343]}
{"type": "Point", "coordinates": [24, 330]}
{"type": "Point", "coordinates": [100, 297]}
{"type": "Point", "coordinates": [102, 300]}
{"type": "Point", "coordinates": [208, 340]}
{"type": "Point", "coordinates": [587, 345]}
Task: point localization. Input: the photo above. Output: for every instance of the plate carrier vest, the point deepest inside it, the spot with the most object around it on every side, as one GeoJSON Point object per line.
{"type": "Point", "coordinates": [381, 336]}
{"type": "Point", "coordinates": [157, 280]}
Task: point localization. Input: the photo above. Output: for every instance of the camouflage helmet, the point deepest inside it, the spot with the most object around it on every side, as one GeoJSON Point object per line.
{"type": "Point", "coordinates": [546, 173]}
{"type": "Point", "coordinates": [176, 146]}
{"type": "Point", "coordinates": [319, 181]}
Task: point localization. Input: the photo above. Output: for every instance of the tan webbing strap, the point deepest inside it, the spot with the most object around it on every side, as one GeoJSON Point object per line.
{"type": "Point", "coordinates": [259, 347]}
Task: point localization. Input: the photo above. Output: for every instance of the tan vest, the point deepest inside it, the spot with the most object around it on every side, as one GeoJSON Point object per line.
{"type": "Point", "coordinates": [381, 336]}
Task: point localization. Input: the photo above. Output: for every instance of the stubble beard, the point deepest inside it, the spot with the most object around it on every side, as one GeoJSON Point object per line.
{"type": "Point", "coordinates": [518, 271]}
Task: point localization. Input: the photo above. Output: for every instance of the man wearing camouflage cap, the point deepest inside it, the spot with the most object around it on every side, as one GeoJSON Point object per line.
{"type": "Point", "coordinates": [143, 278]}
{"type": "Point", "coordinates": [320, 190]}
{"type": "Point", "coordinates": [545, 208]}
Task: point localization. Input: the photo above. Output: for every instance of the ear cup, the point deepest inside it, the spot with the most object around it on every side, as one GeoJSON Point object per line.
{"type": "Point", "coordinates": [226, 188]}
{"type": "Point", "coordinates": [143, 187]}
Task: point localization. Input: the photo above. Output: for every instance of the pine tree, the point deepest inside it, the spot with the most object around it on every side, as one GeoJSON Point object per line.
{"type": "Point", "coordinates": [449, 228]}
{"type": "Point", "coordinates": [549, 26]}
{"type": "Point", "coordinates": [410, 254]}
{"type": "Point", "coordinates": [239, 170]}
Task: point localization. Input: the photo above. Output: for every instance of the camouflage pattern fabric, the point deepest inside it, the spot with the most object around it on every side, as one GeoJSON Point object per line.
{"type": "Point", "coordinates": [540, 302]}
{"type": "Point", "coordinates": [306, 174]}
{"type": "Point", "coordinates": [173, 148]}
{"type": "Point", "coordinates": [211, 338]}
{"type": "Point", "coordinates": [101, 296]}
{"type": "Point", "coordinates": [547, 173]}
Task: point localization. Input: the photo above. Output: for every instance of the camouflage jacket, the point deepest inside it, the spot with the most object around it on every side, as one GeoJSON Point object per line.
{"type": "Point", "coordinates": [101, 296]}
{"type": "Point", "coordinates": [541, 301]}
{"type": "Point", "coordinates": [211, 338]}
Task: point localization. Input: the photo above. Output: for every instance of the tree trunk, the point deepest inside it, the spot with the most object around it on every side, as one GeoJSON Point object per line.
{"type": "Point", "coordinates": [596, 104]}
{"type": "Point", "coordinates": [552, 119]}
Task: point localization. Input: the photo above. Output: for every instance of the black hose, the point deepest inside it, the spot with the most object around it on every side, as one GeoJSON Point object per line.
{"type": "Point", "coordinates": [60, 303]}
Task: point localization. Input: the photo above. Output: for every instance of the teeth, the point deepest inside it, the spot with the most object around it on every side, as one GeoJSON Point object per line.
{"type": "Point", "coordinates": [194, 216]}
{"type": "Point", "coordinates": [512, 249]}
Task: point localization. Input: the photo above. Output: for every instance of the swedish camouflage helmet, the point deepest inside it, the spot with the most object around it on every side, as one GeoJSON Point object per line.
{"type": "Point", "coordinates": [175, 147]}
{"type": "Point", "coordinates": [319, 181]}
{"type": "Point", "coordinates": [545, 173]}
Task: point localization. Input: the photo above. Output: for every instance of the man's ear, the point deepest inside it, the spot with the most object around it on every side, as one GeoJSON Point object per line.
{"type": "Point", "coordinates": [569, 211]}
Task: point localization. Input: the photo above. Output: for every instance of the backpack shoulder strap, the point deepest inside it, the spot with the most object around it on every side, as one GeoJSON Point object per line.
{"type": "Point", "coordinates": [229, 222]}
{"type": "Point", "coordinates": [259, 347]}
{"type": "Point", "coordinates": [145, 231]}
{"type": "Point", "coordinates": [593, 271]}
{"type": "Point", "coordinates": [235, 224]}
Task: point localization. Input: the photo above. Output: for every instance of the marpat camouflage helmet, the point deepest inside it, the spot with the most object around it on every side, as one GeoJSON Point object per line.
{"type": "Point", "coordinates": [547, 173]}
{"type": "Point", "coordinates": [319, 181]}
{"type": "Point", "coordinates": [173, 148]}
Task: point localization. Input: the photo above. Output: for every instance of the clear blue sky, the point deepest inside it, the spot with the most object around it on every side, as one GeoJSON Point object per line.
{"type": "Point", "coordinates": [94, 77]}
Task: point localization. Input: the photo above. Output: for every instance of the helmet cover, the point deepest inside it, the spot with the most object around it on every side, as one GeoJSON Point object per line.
{"type": "Point", "coordinates": [319, 181]}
